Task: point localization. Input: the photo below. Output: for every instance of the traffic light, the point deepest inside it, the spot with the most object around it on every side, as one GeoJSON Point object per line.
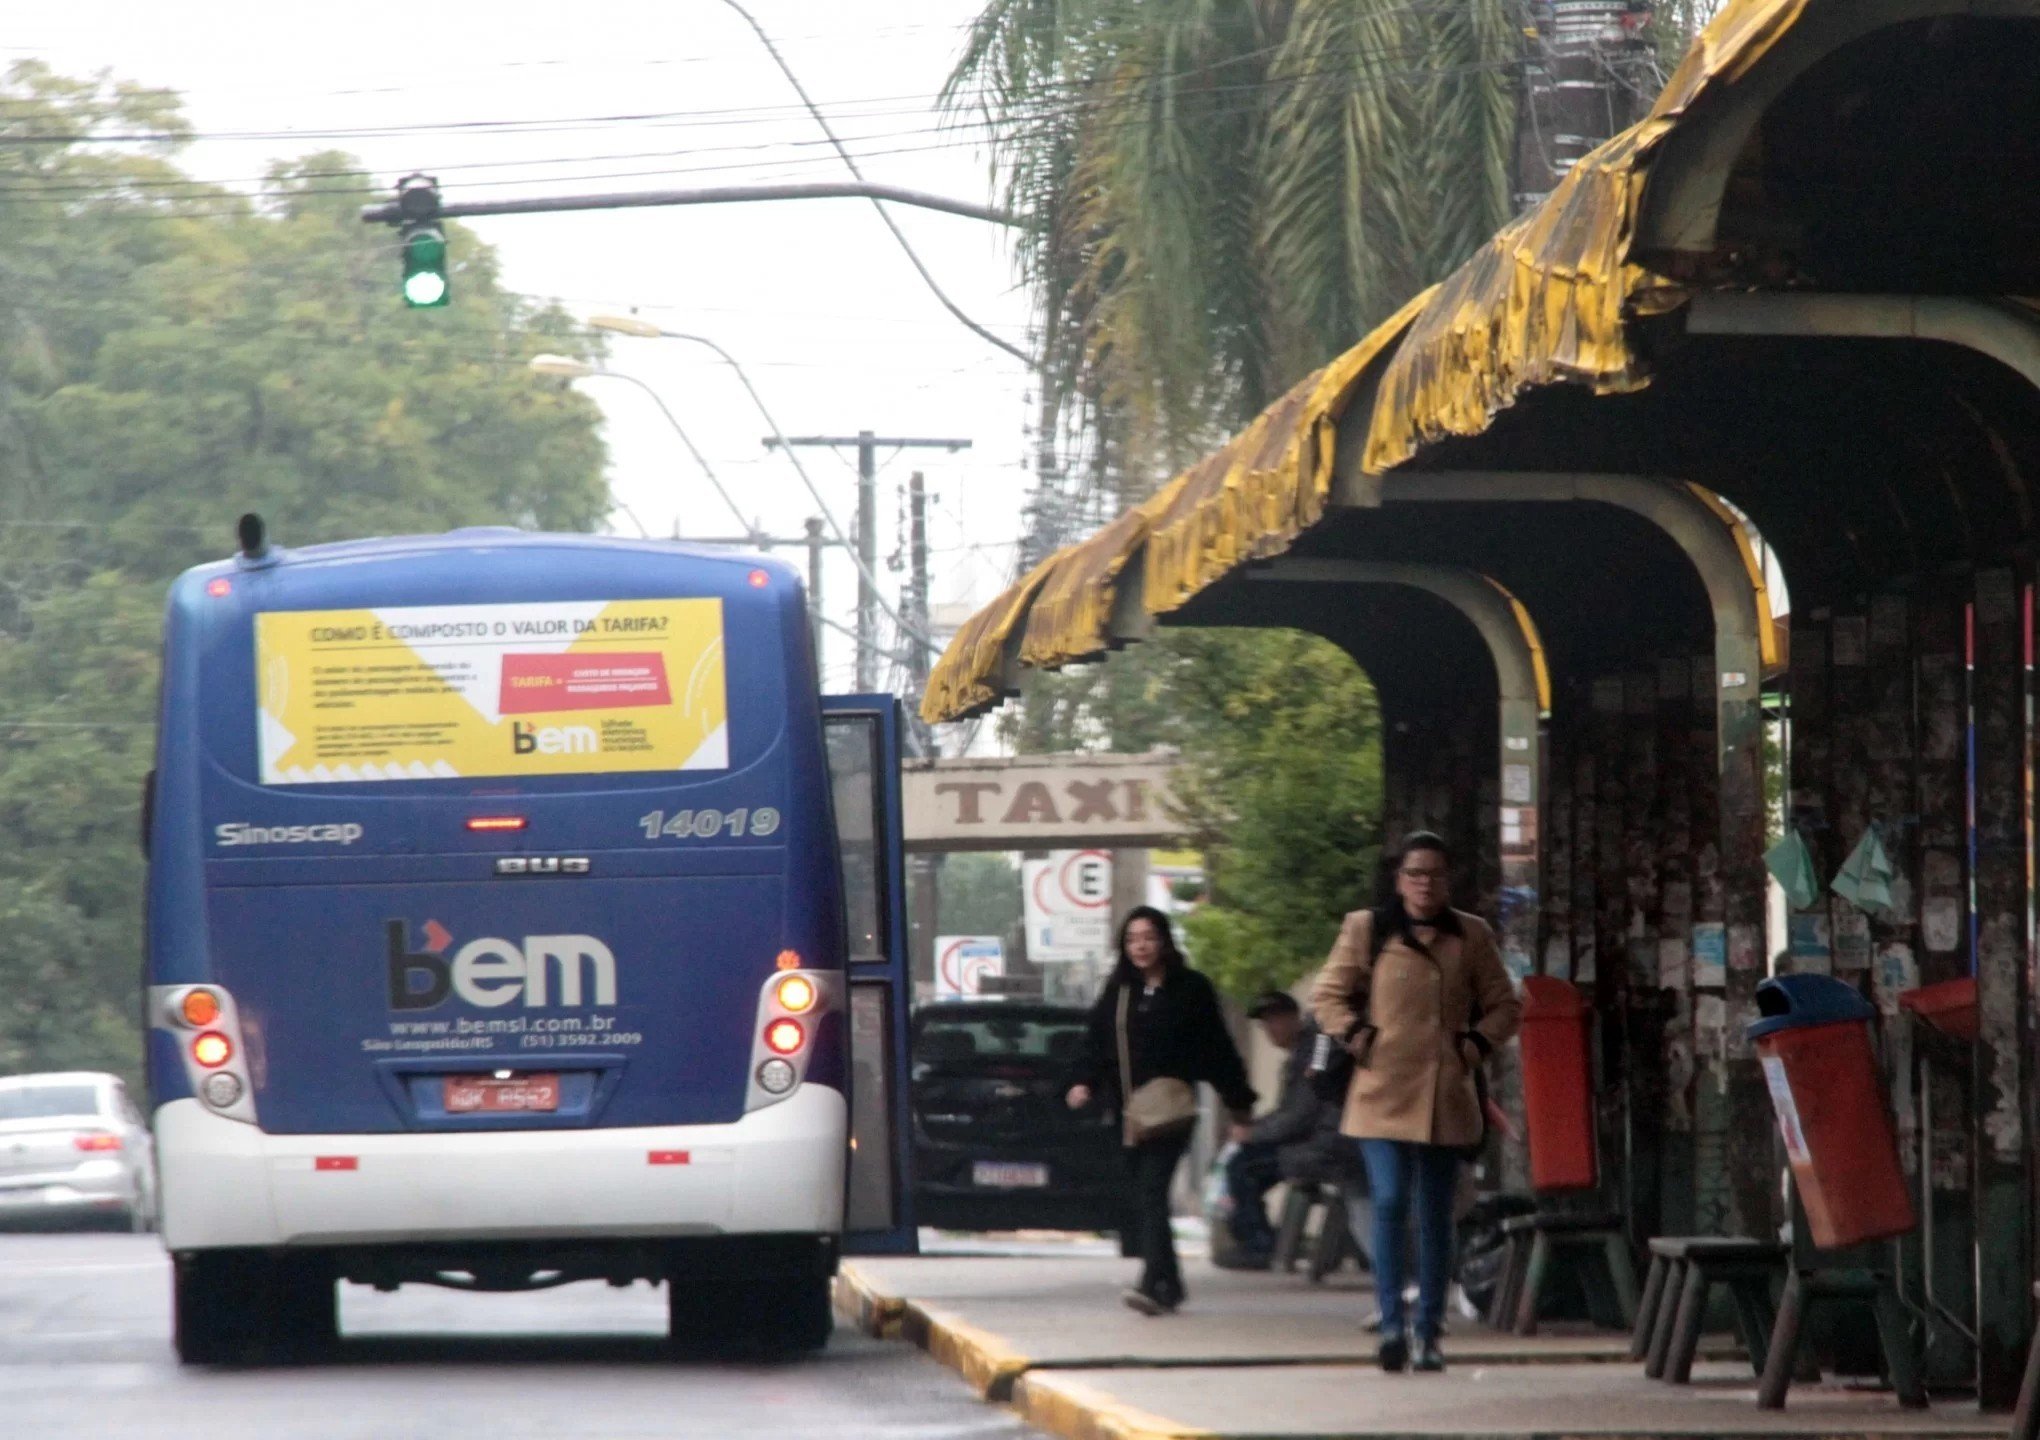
{"type": "Point", "coordinates": [424, 242]}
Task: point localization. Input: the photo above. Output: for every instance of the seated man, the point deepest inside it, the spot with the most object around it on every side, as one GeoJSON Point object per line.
{"type": "Point", "coordinates": [1297, 1141]}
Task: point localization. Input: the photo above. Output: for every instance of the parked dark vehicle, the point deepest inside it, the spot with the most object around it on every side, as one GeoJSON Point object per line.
{"type": "Point", "coordinates": [995, 1147]}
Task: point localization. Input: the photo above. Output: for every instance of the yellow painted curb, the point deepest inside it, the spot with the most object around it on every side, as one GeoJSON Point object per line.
{"type": "Point", "coordinates": [987, 1364]}
{"type": "Point", "coordinates": [861, 1304]}
{"type": "Point", "coordinates": [1073, 1410]}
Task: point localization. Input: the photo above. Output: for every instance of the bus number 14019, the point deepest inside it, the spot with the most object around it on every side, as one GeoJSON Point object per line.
{"type": "Point", "coordinates": [709, 824]}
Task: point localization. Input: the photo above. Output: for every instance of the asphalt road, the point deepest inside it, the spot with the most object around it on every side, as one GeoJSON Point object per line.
{"type": "Point", "coordinates": [85, 1355]}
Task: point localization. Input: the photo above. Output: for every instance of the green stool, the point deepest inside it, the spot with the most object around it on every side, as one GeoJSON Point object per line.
{"type": "Point", "coordinates": [1804, 1289]}
{"type": "Point", "coordinates": [1610, 1283]}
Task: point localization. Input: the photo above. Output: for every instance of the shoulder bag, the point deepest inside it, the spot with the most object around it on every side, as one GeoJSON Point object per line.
{"type": "Point", "coordinates": [1164, 1106]}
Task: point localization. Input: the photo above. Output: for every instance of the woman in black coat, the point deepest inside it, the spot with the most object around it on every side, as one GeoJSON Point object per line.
{"type": "Point", "coordinates": [1173, 1030]}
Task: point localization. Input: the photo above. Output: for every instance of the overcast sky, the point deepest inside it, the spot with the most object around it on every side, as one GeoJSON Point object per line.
{"type": "Point", "coordinates": [813, 297]}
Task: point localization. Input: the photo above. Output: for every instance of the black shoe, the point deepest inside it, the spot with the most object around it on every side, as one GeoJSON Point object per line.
{"type": "Point", "coordinates": [1430, 1359]}
{"type": "Point", "coordinates": [1152, 1300]}
{"type": "Point", "coordinates": [1395, 1354]}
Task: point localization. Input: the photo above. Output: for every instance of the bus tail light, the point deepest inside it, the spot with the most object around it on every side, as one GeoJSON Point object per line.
{"type": "Point", "coordinates": [796, 993]}
{"type": "Point", "coordinates": [221, 1060]}
{"type": "Point", "coordinates": [784, 1037]}
{"type": "Point", "coordinates": [792, 1006]}
{"type": "Point", "coordinates": [96, 1141]}
{"type": "Point", "coordinates": [212, 1050]}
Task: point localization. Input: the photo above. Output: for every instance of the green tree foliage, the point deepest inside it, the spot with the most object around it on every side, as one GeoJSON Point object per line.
{"type": "Point", "coordinates": [170, 356]}
{"type": "Point", "coordinates": [980, 895]}
{"type": "Point", "coordinates": [1280, 780]}
{"type": "Point", "coordinates": [1219, 195]}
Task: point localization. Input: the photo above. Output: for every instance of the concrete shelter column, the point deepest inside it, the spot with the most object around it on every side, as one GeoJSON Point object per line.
{"type": "Point", "coordinates": [1714, 542]}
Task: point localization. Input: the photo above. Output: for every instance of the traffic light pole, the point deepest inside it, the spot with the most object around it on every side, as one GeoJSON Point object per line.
{"type": "Point", "coordinates": [868, 444]}
{"type": "Point", "coordinates": [392, 214]}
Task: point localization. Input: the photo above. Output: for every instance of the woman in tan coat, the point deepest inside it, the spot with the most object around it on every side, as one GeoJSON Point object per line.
{"type": "Point", "coordinates": [1417, 993]}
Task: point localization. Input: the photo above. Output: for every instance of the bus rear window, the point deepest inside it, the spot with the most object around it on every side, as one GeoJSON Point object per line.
{"type": "Point", "coordinates": [456, 691]}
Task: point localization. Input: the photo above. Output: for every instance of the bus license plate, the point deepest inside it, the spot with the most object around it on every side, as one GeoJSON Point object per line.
{"type": "Point", "coordinates": [1006, 1175]}
{"type": "Point", "coordinates": [485, 1094]}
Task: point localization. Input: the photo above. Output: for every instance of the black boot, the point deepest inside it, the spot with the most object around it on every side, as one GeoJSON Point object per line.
{"type": "Point", "coordinates": [1430, 1359]}
{"type": "Point", "coordinates": [1395, 1354]}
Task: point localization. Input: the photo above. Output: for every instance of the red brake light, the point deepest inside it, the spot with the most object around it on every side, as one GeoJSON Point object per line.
{"type": "Point", "coordinates": [212, 1050]}
{"type": "Point", "coordinates": [759, 579]}
{"type": "Point", "coordinates": [97, 1141]}
{"type": "Point", "coordinates": [783, 1037]}
{"type": "Point", "coordinates": [219, 588]}
{"type": "Point", "coordinates": [495, 822]}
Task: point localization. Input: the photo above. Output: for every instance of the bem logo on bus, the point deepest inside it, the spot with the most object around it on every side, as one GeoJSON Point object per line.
{"type": "Point", "coordinates": [493, 971]}
{"type": "Point", "coordinates": [236, 832]}
{"type": "Point", "coordinates": [554, 739]}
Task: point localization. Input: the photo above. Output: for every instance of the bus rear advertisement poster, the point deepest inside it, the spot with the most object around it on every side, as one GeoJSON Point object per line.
{"type": "Point", "coordinates": [544, 688]}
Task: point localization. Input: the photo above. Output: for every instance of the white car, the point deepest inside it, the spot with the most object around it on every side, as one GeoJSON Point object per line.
{"type": "Point", "coordinates": [72, 1147]}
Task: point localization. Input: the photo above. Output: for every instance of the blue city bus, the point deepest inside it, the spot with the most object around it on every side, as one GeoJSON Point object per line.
{"type": "Point", "coordinates": [518, 913]}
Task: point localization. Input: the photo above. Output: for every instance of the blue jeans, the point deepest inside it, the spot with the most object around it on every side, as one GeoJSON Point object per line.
{"type": "Point", "coordinates": [1251, 1173]}
{"type": "Point", "coordinates": [1396, 1171]}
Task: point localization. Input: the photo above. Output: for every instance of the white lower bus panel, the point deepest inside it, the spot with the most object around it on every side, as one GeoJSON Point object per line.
{"type": "Point", "coordinates": [778, 1170]}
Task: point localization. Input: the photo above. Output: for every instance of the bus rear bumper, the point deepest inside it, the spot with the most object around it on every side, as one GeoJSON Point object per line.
{"type": "Point", "coordinates": [778, 1170]}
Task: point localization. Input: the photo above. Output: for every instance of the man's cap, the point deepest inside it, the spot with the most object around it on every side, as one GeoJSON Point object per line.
{"type": "Point", "coordinates": [1273, 1002]}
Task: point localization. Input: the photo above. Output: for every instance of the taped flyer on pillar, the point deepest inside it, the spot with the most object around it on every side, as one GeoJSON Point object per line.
{"type": "Point", "coordinates": [454, 691]}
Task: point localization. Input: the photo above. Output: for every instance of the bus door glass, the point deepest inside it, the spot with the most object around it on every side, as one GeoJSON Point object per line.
{"type": "Point", "coordinates": [863, 735]}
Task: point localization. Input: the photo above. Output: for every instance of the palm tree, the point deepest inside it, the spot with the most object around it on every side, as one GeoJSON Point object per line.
{"type": "Point", "coordinates": [1221, 194]}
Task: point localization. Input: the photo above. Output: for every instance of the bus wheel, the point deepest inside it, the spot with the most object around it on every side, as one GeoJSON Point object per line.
{"type": "Point", "coordinates": [697, 1318]}
{"type": "Point", "coordinates": [765, 1298]}
{"type": "Point", "coordinates": [810, 1315]}
{"type": "Point", "coordinates": [307, 1304]}
{"type": "Point", "coordinates": [217, 1310]}
{"type": "Point", "coordinates": [793, 1314]}
{"type": "Point", "coordinates": [233, 1306]}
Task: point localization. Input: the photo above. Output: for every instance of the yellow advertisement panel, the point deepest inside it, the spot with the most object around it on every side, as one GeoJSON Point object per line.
{"type": "Point", "coordinates": [549, 688]}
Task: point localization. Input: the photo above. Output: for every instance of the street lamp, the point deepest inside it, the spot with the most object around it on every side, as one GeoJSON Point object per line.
{"type": "Point", "coordinates": [645, 330]}
{"type": "Point", "coordinates": [574, 369]}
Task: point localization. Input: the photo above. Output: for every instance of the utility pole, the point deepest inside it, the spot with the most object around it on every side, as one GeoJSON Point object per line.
{"type": "Point", "coordinates": [759, 540]}
{"type": "Point", "coordinates": [920, 654]}
{"type": "Point", "coordinates": [917, 578]}
{"type": "Point", "coordinates": [815, 542]}
{"type": "Point", "coordinates": [868, 444]}
{"type": "Point", "coordinates": [1586, 75]}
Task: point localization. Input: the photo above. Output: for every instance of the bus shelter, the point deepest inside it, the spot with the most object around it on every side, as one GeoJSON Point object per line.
{"type": "Point", "coordinates": [1785, 303]}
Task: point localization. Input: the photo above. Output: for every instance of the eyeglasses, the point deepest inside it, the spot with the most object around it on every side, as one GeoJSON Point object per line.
{"type": "Point", "coordinates": [1409, 874]}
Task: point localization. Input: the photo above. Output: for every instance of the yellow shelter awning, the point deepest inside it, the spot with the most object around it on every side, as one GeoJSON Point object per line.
{"type": "Point", "coordinates": [1547, 301]}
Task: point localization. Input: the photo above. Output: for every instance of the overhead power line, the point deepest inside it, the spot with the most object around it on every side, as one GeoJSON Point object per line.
{"type": "Point", "coordinates": [886, 215]}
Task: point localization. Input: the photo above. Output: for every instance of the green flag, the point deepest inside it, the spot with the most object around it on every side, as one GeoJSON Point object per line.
{"type": "Point", "coordinates": [1790, 861]}
{"type": "Point", "coordinates": [1865, 878]}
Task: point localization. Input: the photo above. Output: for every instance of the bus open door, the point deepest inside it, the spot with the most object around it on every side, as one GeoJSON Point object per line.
{"type": "Point", "coordinates": [863, 735]}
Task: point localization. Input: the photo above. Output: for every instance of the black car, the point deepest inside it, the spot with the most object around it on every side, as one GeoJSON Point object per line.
{"type": "Point", "coordinates": [995, 1146]}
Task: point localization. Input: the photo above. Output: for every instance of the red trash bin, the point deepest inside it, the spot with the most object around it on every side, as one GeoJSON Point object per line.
{"type": "Point", "coordinates": [1814, 1044]}
{"type": "Point", "coordinates": [1558, 1085]}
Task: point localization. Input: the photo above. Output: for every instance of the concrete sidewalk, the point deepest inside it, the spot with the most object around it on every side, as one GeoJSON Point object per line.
{"type": "Point", "coordinates": [1272, 1357]}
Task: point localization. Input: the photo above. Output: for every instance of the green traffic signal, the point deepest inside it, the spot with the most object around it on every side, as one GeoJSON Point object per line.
{"type": "Point", "coordinates": [424, 266]}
